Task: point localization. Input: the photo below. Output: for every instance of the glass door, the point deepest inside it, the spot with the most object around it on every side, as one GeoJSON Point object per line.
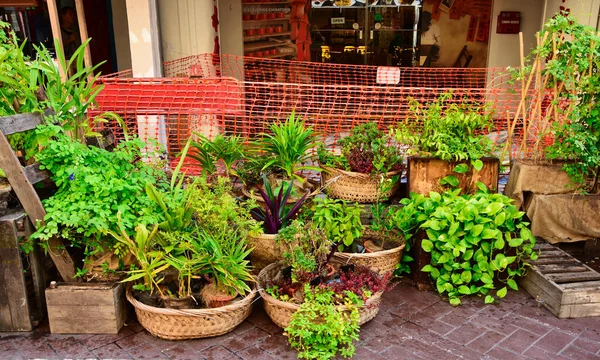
{"type": "Point", "coordinates": [373, 32]}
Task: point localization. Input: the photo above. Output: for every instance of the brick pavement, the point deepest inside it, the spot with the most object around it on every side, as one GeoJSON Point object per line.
{"type": "Point", "coordinates": [410, 325]}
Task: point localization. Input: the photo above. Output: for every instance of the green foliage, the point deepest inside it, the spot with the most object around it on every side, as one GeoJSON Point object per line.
{"type": "Point", "coordinates": [446, 130]}
{"type": "Point", "coordinates": [365, 150]}
{"type": "Point", "coordinates": [94, 186]}
{"type": "Point", "coordinates": [289, 144]}
{"type": "Point", "coordinates": [475, 241]}
{"type": "Point", "coordinates": [319, 329]}
{"type": "Point", "coordinates": [340, 221]}
{"type": "Point", "coordinates": [250, 170]}
{"type": "Point", "coordinates": [305, 248]}
{"type": "Point", "coordinates": [226, 149]}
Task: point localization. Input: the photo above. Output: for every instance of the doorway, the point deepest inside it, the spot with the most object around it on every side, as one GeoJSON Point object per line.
{"type": "Point", "coordinates": [371, 32]}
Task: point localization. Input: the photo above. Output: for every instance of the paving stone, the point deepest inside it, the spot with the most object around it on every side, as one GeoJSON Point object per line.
{"type": "Point", "coordinates": [587, 345]}
{"type": "Point", "coordinates": [437, 310]}
{"type": "Point", "coordinates": [40, 350]}
{"type": "Point", "coordinates": [466, 333]}
{"type": "Point", "coordinates": [573, 352]}
{"type": "Point", "coordinates": [111, 351]}
{"type": "Point", "coordinates": [555, 341]}
{"type": "Point", "coordinates": [135, 340]}
{"type": "Point", "coordinates": [591, 334]}
{"type": "Point", "coordinates": [255, 353]}
{"type": "Point", "coordinates": [97, 341]}
{"type": "Point", "coordinates": [271, 328]}
{"type": "Point", "coordinates": [492, 323]}
{"type": "Point", "coordinates": [462, 351]}
{"type": "Point", "coordinates": [146, 351]}
{"type": "Point", "coordinates": [503, 354]}
{"type": "Point", "coordinates": [70, 348]}
{"type": "Point", "coordinates": [201, 344]}
{"type": "Point", "coordinates": [243, 327]}
{"type": "Point", "coordinates": [218, 352]}
{"type": "Point", "coordinates": [247, 339]}
{"type": "Point", "coordinates": [536, 352]}
{"type": "Point", "coordinates": [519, 341]}
{"type": "Point", "coordinates": [278, 346]}
{"type": "Point", "coordinates": [527, 324]}
{"type": "Point", "coordinates": [363, 353]}
{"type": "Point", "coordinates": [181, 351]}
{"type": "Point", "coordinates": [399, 352]}
{"type": "Point", "coordinates": [436, 326]}
{"type": "Point", "coordinates": [486, 342]}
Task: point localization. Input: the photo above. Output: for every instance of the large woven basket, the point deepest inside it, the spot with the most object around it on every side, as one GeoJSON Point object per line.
{"type": "Point", "coordinates": [264, 251]}
{"type": "Point", "coordinates": [171, 324]}
{"type": "Point", "coordinates": [380, 261]}
{"type": "Point", "coordinates": [281, 312]}
{"type": "Point", "coordinates": [356, 187]}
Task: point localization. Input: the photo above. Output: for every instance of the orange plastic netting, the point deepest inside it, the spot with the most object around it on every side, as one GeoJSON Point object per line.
{"type": "Point", "coordinates": [240, 95]}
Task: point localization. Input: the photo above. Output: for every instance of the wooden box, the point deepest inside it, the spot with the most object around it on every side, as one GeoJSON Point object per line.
{"type": "Point", "coordinates": [564, 285]}
{"type": "Point", "coordinates": [86, 308]}
{"type": "Point", "coordinates": [424, 175]}
{"type": "Point", "coordinates": [22, 280]}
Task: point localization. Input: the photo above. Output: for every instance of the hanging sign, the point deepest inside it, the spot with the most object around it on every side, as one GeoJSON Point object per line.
{"type": "Point", "coordinates": [338, 21]}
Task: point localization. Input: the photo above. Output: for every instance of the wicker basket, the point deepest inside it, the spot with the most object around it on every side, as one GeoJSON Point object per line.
{"type": "Point", "coordinates": [380, 261]}
{"type": "Point", "coordinates": [356, 187]}
{"type": "Point", "coordinates": [171, 324]}
{"type": "Point", "coordinates": [264, 251]}
{"type": "Point", "coordinates": [281, 312]}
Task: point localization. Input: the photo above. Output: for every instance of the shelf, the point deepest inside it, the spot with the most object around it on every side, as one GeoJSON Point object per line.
{"type": "Point", "coordinates": [259, 37]}
{"type": "Point", "coordinates": [264, 45]}
{"type": "Point", "coordinates": [275, 56]}
{"type": "Point", "coordinates": [285, 18]}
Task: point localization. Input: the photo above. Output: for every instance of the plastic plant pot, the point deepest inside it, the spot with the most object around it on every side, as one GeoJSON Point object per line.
{"type": "Point", "coordinates": [270, 30]}
{"type": "Point", "coordinates": [279, 29]}
{"type": "Point", "coordinates": [262, 31]}
{"type": "Point", "coordinates": [251, 32]}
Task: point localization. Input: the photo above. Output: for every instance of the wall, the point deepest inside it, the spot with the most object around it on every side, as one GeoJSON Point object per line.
{"type": "Point", "coordinates": [121, 31]}
{"type": "Point", "coordinates": [186, 27]}
{"type": "Point", "coordinates": [586, 11]}
{"type": "Point", "coordinates": [231, 27]}
{"type": "Point", "coordinates": [504, 48]}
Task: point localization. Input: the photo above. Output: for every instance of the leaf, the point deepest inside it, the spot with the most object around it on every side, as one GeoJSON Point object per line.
{"type": "Point", "coordinates": [461, 168]}
{"type": "Point", "coordinates": [477, 164]}
{"type": "Point", "coordinates": [481, 186]}
{"type": "Point", "coordinates": [516, 242]}
{"type": "Point", "coordinates": [489, 233]}
{"type": "Point", "coordinates": [427, 268]}
{"type": "Point", "coordinates": [512, 284]}
{"type": "Point", "coordinates": [501, 293]}
{"type": "Point", "coordinates": [435, 196]}
{"type": "Point", "coordinates": [427, 245]}
{"type": "Point", "coordinates": [477, 229]}
{"type": "Point", "coordinates": [453, 227]}
{"type": "Point", "coordinates": [455, 301]}
{"type": "Point", "coordinates": [464, 290]}
{"type": "Point", "coordinates": [466, 276]}
{"type": "Point", "coordinates": [450, 180]}
{"type": "Point", "coordinates": [499, 244]}
{"type": "Point", "coordinates": [489, 299]}
{"type": "Point", "coordinates": [499, 220]}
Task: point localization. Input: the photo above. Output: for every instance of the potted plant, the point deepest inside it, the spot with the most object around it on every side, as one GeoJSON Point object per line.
{"type": "Point", "coordinates": [302, 294]}
{"type": "Point", "coordinates": [366, 170]}
{"type": "Point", "coordinates": [222, 151]}
{"type": "Point", "coordinates": [448, 146]}
{"type": "Point", "coordinates": [478, 243]}
{"type": "Point", "coordinates": [377, 246]}
{"type": "Point", "coordinates": [275, 216]}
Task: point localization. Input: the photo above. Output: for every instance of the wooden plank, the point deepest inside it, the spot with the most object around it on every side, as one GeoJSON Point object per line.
{"type": "Point", "coordinates": [540, 290]}
{"type": "Point", "coordinates": [10, 254]}
{"type": "Point", "coordinates": [544, 246]}
{"type": "Point", "coordinates": [56, 33]}
{"type": "Point", "coordinates": [34, 174]}
{"type": "Point", "coordinates": [83, 34]}
{"type": "Point", "coordinates": [5, 318]}
{"type": "Point", "coordinates": [72, 308]}
{"type": "Point", "coordinates": [37, 274]}
{"type": "Point", "coordinates": [561, 268]}
{"type": "Point", "coordinates": [579, 285]}
{"type": "Point", "coordinates": [552, 253]}
{"type": "Point", "coordinates": [579, 311]}
{"type": "Point", "coordinates": [574, 277]}
{"type": "Point", "coordinates": [590, 295]}
{"type": "Point", "coordinates": [21, 122]}
{"type": "Point", "coordinates": [555, 260]}
{"type": "Point", "coordinates": [33, 206]}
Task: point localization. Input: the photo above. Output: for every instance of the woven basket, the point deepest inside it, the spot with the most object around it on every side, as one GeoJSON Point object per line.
{"type": "Point", "coordinates": [281, 312]}
{"type": "Point", "coordinates": [356, 187]}
{"type": "Point", "coordinates": [380, 261]}
{"type": "Point", "coordinates": [264, 251]}
{"type": "Point", "coordinates": [171, 324]}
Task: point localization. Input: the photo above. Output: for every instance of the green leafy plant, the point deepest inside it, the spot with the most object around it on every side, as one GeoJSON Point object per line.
{"type": "Point", "coordinates": [98, 190]}
{"type": "Point", "coordinates": [340, 221]}
{"type": "Point", "coordinates": [305, 248]}
{"type": "Point", "coordinates": [226, 149]}
{"type": "Point", "coordinates": [476, 241]}
{"type": "Point", "coordinates": [366, 150]}
{"type": "Point", "coordinates": [289, 144]}
{"type": "Point", "coordinates": [320, 329]}
{"type": "Point", "coordinates": [446, 130]}
{"type": "Point", "coordinates": [150, 262]}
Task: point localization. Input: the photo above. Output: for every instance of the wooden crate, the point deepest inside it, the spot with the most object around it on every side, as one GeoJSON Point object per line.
{"type": "Point", "coordinates": [86, 308]}
{"type": "Point", "coordinates": [22, 283]}
{"type": "Point", "coordinates": [424, 174]}
{"type": "Point", "coordinates": [564, 285]}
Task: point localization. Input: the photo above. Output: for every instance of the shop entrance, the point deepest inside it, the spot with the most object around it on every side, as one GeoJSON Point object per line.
{"type": "Point", "coordinates": [375, 32]}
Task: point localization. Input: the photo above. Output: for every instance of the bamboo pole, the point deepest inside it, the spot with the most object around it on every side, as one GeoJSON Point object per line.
{"type": "Point", "coordinates": [83, 33]}
{"type": "Point", "coordinates": [56, 33]}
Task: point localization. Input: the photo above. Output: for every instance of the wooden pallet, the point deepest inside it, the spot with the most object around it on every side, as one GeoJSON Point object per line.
{"type": "Point", "coordinates": [565, 286]}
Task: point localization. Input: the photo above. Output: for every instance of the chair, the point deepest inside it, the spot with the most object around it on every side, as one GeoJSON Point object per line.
{"type": "Point", "coordinates": [464, 58]}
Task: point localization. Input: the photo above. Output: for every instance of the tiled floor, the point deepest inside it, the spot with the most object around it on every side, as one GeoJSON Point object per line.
{"type": "Point", "coordinates": [410, 325]}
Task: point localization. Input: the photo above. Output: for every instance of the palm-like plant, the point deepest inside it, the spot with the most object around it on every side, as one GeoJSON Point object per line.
{"type": "Point", "coordinates": [290, 143]}
{"type": "Point", "coordinates": [228, 149]}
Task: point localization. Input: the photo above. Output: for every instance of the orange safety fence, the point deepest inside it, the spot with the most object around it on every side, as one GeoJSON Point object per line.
{"type": "Point", "coordinates": [228, 94]}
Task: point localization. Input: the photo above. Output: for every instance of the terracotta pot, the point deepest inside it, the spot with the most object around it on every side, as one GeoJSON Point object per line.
{"type": "Point", "coordinates": [330, 270]}
{"type": "Point", "coordinates": [251, 32]}
{"type": "Point", "coordinates": [214, 297]}
{"type": "Point", "coordinates": [262, 31]}
{"type": "Point", "coordinates": [270, 30]}
{"type": "Point", "coordinates": [272, 15]}
{"type": "Point", "coordinates": [262, 16]}
{"type": "Point", "coordinates": [279, 29]}
{"type": "Point", "coordinates": [178, 303]}
{"type": "Point", "coordinates": [280, 14]}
